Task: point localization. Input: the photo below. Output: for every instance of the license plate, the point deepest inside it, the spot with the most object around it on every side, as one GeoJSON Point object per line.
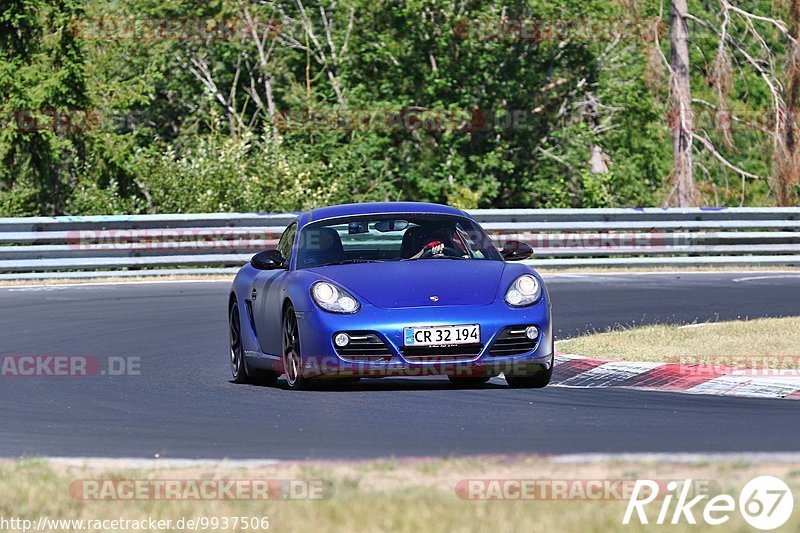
{"type": "Point", "coordinates": [442, 335]}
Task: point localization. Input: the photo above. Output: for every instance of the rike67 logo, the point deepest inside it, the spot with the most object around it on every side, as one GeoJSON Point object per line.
{"type": "Point", "coordinates": [765, 502]}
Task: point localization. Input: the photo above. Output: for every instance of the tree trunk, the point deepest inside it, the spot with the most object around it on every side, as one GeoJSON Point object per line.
{"type": "Point", "coordinates": [684, 189]}
{"type": "Point", "coordinates": [787, 150]}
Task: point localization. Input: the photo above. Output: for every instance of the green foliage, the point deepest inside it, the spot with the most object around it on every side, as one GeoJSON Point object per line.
{"type": "Point", "coordinates": [41, 73]}
{"type": "Point", "coordinates": [515, 119]}
{"type": "Point", "coordinates": [214, 174]}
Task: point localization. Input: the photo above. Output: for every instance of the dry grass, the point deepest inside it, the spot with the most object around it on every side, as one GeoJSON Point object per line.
{"type": "Point", "coordinates": [390, 495]}
{"type": "Point", "coordinates": [741, 339]}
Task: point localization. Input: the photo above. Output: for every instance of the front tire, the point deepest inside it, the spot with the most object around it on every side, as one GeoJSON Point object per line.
{"type": "Point", "coordinates": [292, 360]}
{"type": "Point", "coordinates": [468, 382]}
{"type": "Point", "coordinates": [537, 380]}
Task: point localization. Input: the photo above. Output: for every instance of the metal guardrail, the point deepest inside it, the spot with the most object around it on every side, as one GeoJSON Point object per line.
{"type": "Point", "coordinates": [90, 246]}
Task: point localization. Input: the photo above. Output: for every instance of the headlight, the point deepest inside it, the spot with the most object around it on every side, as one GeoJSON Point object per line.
{"type": "Point", "coordinates": [526, 290]}
{"type": "Point", "coordinates": [332, 298]}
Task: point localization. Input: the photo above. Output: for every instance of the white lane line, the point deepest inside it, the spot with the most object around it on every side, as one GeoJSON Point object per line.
{"type": "Point", "coordinates": [706, 272]}
{"type": "Point", "coordinates": [756, 278]}
{"type": "Point", "coordinates": [736, 457]}
{"type": "Point", "coordinates": [571, 458]}
{"type": "Point", "coordinates": [722, 273]}
{"type": "Point", "coordinates": [136, 462]}
{"type": "Point", "coordinates": [62, 286]}
{"type": "Point", "coordinates": [551, 277]}
{"type": "Point", "coordinates": [40, 288]}
{"type": "Point", "coordinates": [701, 325]}
{"type": "Point", "coordinates": [568, 276]}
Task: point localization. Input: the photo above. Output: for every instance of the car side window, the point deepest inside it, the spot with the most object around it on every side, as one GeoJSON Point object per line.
{"type": "Point", "coordinates": [286, 241]}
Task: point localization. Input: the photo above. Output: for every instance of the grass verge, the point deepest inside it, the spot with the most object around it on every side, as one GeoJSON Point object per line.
{"type": "Point", "coordinates": [388, 495]}
{"type": "Point", "coordinates": [748, 341]}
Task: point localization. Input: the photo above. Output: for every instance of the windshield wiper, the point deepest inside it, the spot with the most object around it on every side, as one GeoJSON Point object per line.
{"type": "Point", "coordinates": [350, 261]}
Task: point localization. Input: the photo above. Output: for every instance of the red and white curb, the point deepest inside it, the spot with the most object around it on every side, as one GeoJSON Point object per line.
{"type": "Point", "coordinates": [585, 372]}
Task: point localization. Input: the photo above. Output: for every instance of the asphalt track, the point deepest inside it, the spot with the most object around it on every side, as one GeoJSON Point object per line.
{"type": "Point", "coordinates": [182, 404]}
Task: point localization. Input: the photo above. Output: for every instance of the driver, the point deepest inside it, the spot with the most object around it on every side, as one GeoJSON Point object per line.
{"type": "Point", "coordinates": [436, 247]}
{"type": "Point", "coordinates": [440, 238]}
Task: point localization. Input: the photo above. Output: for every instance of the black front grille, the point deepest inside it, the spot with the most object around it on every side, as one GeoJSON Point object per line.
{"type": "Point", "coordinates": [443, 353]}
{"type": "Point", "coordinates": [364, 346]}
{"type": "Point", "coordinates": [512, 341]}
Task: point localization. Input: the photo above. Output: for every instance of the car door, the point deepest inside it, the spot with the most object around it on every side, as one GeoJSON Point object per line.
{"type": "Point", "coordinates": [269, 288]}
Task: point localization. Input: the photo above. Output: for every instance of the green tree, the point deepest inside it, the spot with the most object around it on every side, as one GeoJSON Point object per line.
{"type": "Point", "coordinates": [42, 91]}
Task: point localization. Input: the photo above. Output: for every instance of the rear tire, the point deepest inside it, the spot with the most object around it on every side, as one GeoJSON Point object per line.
{"type": "Point", "coordinates": [239, 370]}
{"type": "Point", "coordinates": [238, 362]}
{"type": "Point", "coordinates": [468, 382]}
{"type": "Point", "coordinates": [537, 380]}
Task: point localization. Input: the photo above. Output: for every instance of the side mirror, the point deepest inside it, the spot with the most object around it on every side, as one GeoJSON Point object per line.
{"type": "Point", "coordinates": [516, 251]}
{"type": "Point", "coordinates": [268, 260]}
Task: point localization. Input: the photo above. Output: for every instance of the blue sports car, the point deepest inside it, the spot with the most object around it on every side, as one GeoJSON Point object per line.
{"type": "Point", "coordinates": [389, 289]}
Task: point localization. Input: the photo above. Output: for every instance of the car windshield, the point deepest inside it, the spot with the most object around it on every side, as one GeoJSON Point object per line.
{"type": "Point", "coordinates": [395, 237]}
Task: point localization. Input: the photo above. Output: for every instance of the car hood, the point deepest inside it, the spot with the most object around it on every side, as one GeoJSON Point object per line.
{"type": "Point", "coordinates": [397, 284]}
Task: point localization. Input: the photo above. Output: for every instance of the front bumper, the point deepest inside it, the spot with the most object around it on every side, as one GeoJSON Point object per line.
{"type": "Point", "coordinates": [320, 357]}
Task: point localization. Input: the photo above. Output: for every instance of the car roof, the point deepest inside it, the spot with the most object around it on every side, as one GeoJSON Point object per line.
{"type": "Point", "coordinates": [375, 208]}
